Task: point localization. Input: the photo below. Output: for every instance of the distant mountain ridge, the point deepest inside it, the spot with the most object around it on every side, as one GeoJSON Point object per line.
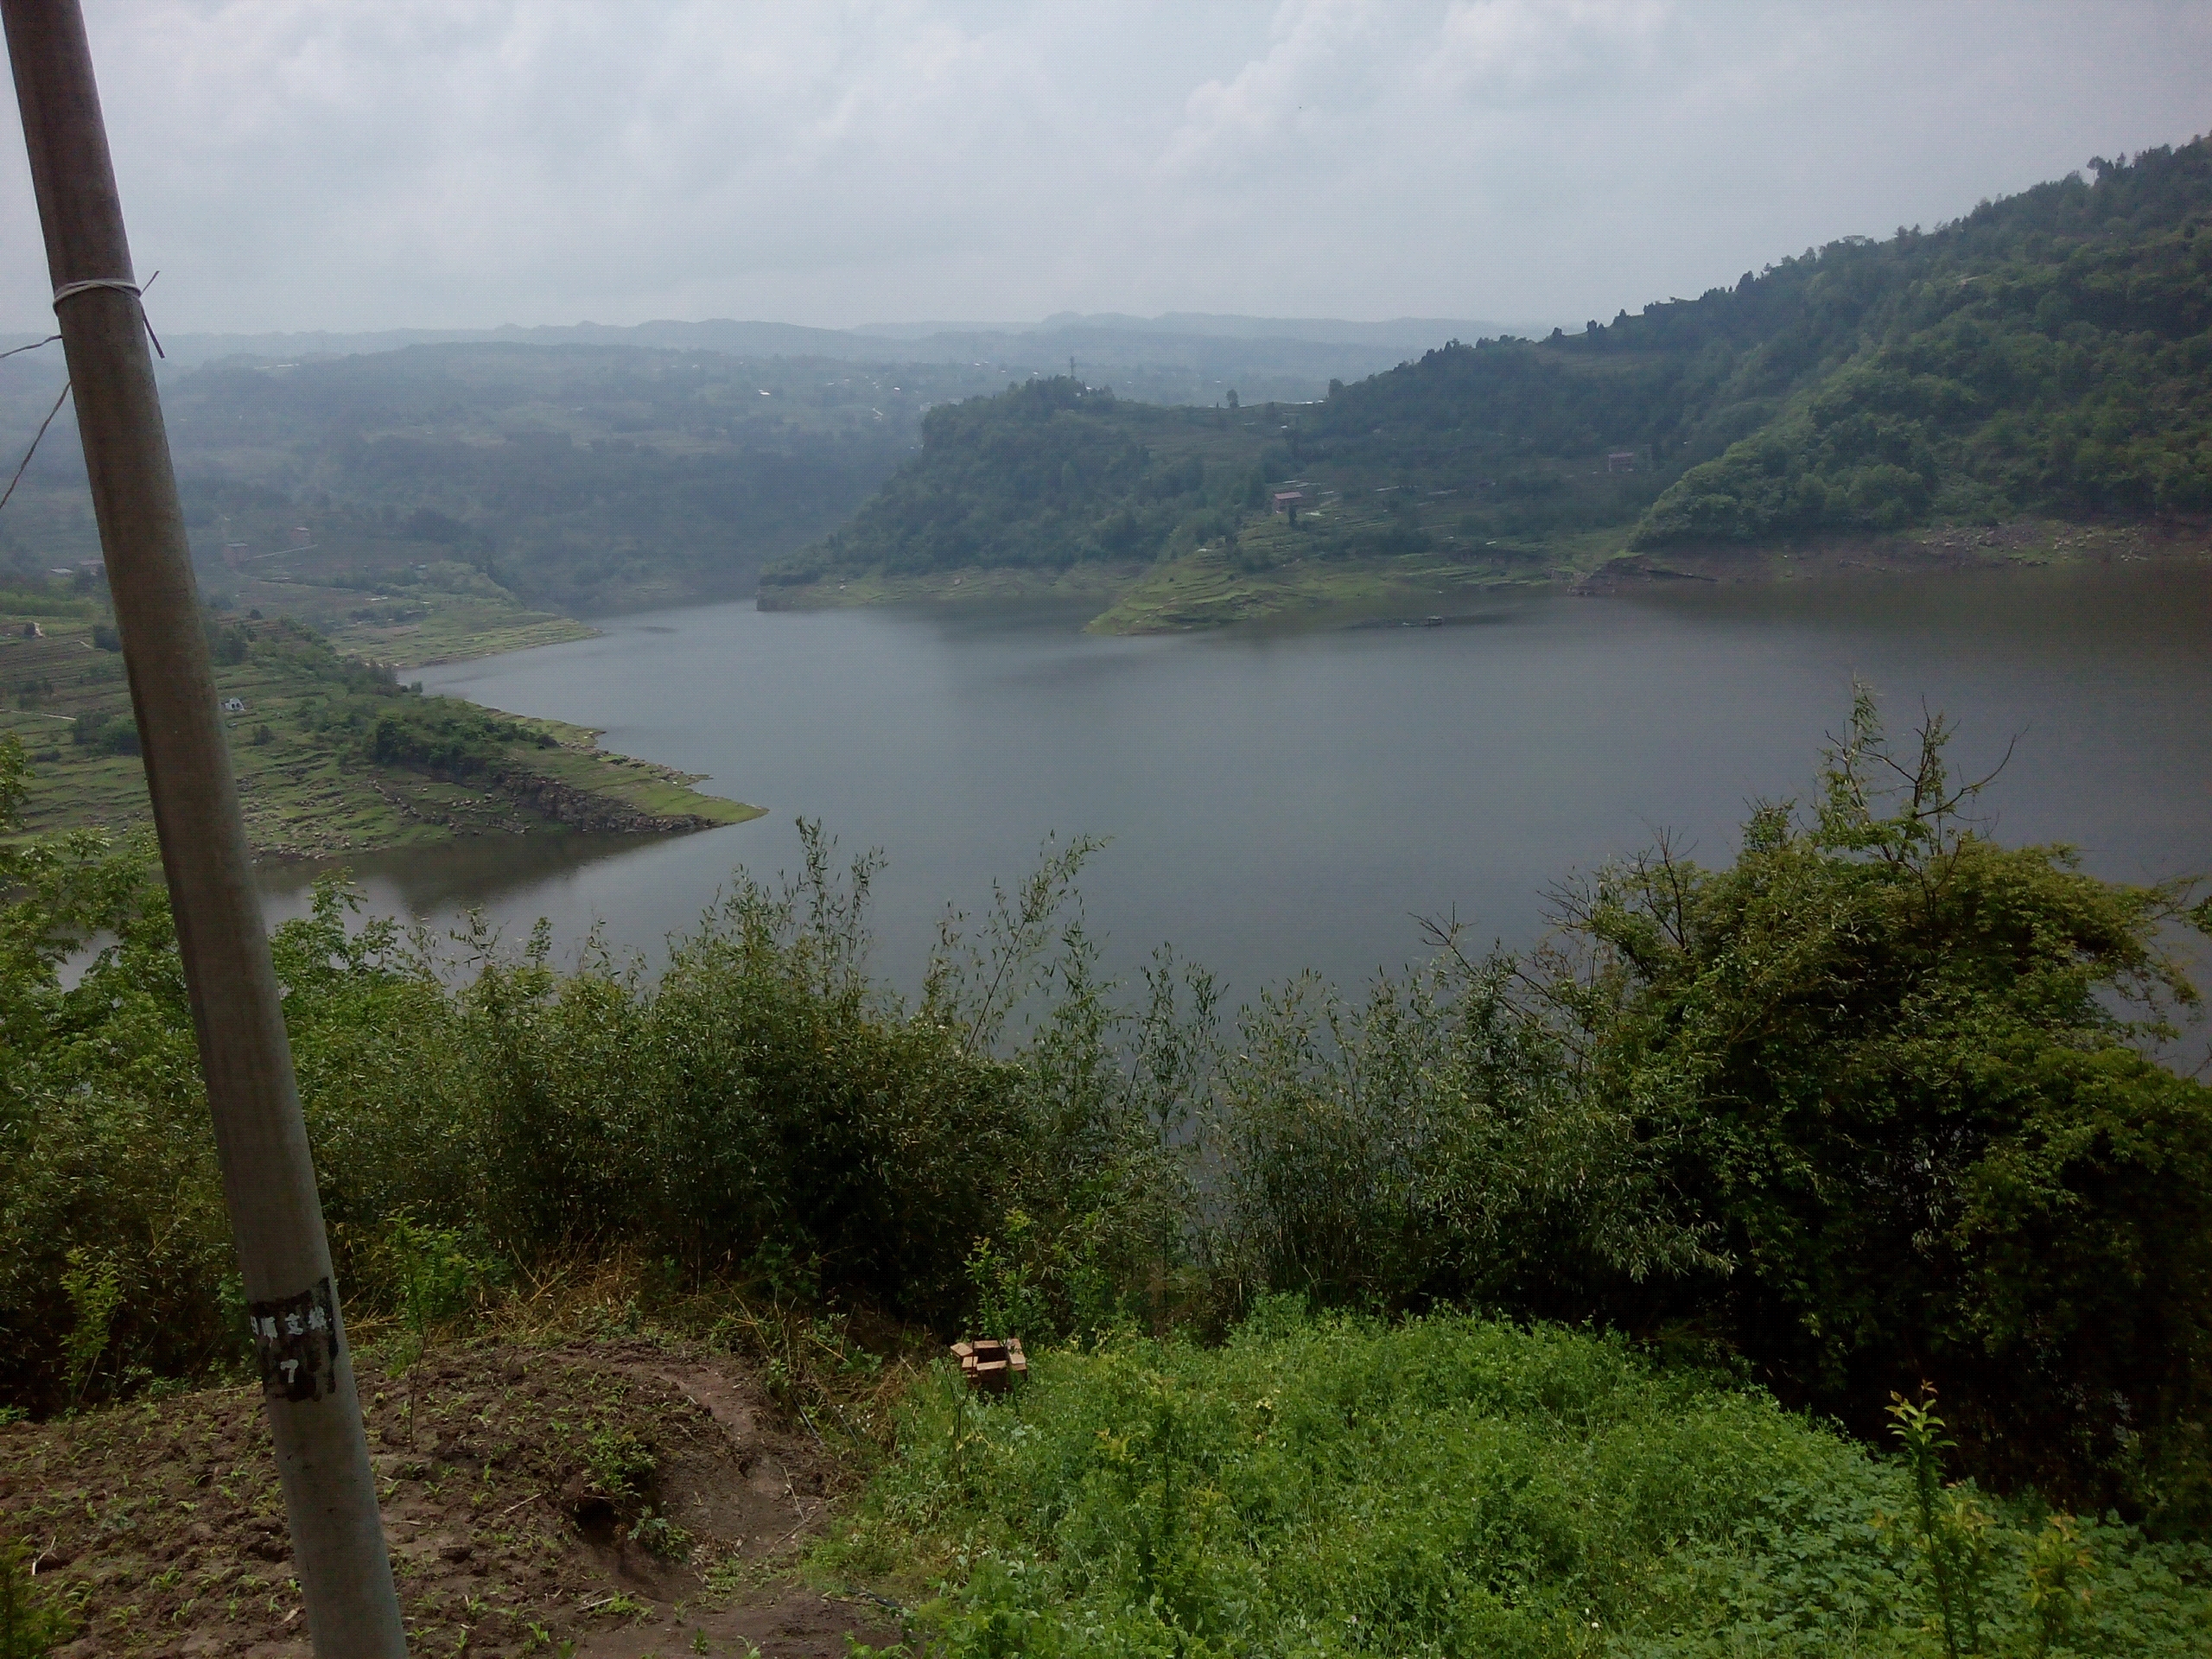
{"type": "Point", "coordinates": [2050, 353]}
{"type": "Point", "coordinates": [1402, 333]}
{"type": "Point", "coordinates": [1287, 357]}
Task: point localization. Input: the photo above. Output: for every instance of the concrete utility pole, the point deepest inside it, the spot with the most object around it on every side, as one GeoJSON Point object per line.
{"type": "Point", "coordinates": [315, 1415]}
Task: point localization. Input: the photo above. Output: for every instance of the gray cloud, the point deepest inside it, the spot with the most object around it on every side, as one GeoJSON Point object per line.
{"type": "Point", "coordinates": [319, 164]}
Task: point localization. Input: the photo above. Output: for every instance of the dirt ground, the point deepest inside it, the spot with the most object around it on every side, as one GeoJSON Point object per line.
{"type": "Point", "coordinates": [615, 1500]}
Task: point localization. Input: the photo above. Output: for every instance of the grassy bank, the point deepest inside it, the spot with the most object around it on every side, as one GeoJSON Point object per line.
{"type": "Point", "coordinates": [2024, 543]}
{"type": "Point", "coordinates": [1449, 1486]}
{"type": "Point", "coordinates": [311, 782]}
{"type": "Point", "coordinates": [1272, 572]}
{"type": "Point", "coordinates": [997, 584]}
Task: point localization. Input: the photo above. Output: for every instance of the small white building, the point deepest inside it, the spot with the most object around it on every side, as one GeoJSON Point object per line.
{"type": "Point", "coordinates": [234, 705]}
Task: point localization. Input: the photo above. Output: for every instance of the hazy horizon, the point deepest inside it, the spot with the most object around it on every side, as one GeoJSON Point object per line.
{"type": "Point", "coordinates": [295, 167]}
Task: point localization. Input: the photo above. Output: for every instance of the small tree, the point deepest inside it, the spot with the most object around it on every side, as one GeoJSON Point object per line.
{"type": "Point", "coordinates": [1901, 1069]}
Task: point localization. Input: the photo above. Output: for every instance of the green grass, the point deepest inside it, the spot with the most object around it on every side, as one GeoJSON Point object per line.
{"type": "Point", "coordinates": [640, 784]}
{"type": "Point", "coordinates": [1445, 1486]}
{"type": "Point", "coordinates": [1208, 590]}
{"type": "Point", "coordinates": [1278, 571]}
{"type": "Point", "coordinates": [453, 631]}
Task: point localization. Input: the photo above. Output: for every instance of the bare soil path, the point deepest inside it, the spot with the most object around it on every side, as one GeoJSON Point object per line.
{"type": "Point", "coordinates": [613, 1500]}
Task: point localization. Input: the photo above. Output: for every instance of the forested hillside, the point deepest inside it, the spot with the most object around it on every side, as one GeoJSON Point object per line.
{"type": "Point", "coordinates": [1047, 474]}
{"type": "Point", "coordinates": [2050, 354]}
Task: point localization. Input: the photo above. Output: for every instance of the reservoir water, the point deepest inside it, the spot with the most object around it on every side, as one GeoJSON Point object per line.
{"type": "Point", "coordinates": [1276, 801]}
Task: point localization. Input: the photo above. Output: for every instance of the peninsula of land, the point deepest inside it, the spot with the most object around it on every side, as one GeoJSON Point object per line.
{"type": "Point", "coordinates": [334, 755]}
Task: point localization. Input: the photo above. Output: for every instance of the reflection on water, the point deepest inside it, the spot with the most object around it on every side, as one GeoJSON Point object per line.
{"type": "Point", "coordinates": [1286, 799]}
{"type": "Point", "coordinates": [480, 870]}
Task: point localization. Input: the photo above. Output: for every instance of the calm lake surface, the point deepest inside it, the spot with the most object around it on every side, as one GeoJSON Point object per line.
{"type": "Point", "coordinates": [1298, 799]}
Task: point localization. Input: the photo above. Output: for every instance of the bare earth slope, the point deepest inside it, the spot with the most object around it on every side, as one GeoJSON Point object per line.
{"type": "Point", "coordinates": [626, 1498]}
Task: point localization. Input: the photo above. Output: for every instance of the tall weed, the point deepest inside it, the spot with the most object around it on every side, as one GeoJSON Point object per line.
{"type": "Point", "coordinates": [30, 1628]}
{"type": "Point", "coordinates": [1443, 1486]}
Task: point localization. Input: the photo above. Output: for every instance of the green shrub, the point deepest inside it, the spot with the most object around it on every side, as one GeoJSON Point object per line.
{"type": "Point", "coordinates": [763, 1100]}
{"type": "Point", "coordinates": [1894, 1066]}
{"type": "Point", "coordinates": [619, 1464]}
{"type": "Point", "coordinates": [109, 735]}
{"type": "Point", "coordinates": [103, 1145]}
{"type": "Point", "coordinates": [1426, 1146]}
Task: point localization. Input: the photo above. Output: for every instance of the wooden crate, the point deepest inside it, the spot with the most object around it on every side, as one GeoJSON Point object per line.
{"type": "Point", "coordinates": [991, 1364]}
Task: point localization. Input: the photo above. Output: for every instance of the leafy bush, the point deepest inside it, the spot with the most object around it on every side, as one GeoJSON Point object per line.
{"type": "Point", "coordinates": [112, 735]}
{"type": "Point", "coordinates": [619, 1464]}
{"type": "Point", "coordinates": [1426, 1146]}
{"type": "Point", "coordinates": [1894, 1066]}
{"type": "Point", "coordinates": [763, 1098]}
{"type": "Point", "coordinates": [447, 737]}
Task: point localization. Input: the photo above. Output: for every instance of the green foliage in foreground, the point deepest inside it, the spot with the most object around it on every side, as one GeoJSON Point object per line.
{"type": "Point", "coordinates": [1869, 1107]}
{"type": "Point", "coordinates": [1450, 1486]}
{"type": "Point", "coordinates": [1894, 1065]}
{"type": "Point", "coordinates": [29, 1628]}
{"type": "Point", "coordinates": [762, 1100]}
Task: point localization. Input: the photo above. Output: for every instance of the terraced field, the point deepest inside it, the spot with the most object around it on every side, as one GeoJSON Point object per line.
{"type": "Point", "coordinates": [309, 787]}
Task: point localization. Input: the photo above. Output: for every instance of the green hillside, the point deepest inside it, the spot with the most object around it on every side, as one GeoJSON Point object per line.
{"type": "Point", "coordinates": [2047, 357]}
{"type": "Point", "coordinates": [332, 755]}
{"type": "Point", "coordinates": [1046, 475]}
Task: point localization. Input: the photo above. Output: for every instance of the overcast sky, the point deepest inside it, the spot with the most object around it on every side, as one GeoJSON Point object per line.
{"type": "Point", "coordinates": [334, 164]}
